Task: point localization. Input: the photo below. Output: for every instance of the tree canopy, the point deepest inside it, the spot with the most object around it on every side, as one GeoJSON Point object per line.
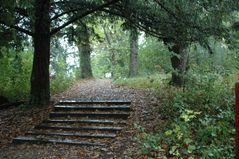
{"type": "Point", "coordinates": [179, 23]}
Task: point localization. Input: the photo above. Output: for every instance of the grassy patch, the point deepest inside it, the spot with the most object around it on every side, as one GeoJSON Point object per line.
{"type": "Point", "coordinates": [152, 81]}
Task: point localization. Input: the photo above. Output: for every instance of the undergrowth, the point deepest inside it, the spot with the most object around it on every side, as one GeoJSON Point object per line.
{"type": "Point", "coordinates": [200, 119]}
{"type": "Point", "coordinates": [61, 83]}
{"type": "Point", "coordinates": [15, 73]}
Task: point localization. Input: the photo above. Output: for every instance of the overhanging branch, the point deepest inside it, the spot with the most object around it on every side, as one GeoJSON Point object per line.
{"type": "Point", "coordinates": [22, 30]}
{"type": "Point", "coordinates": [166, 9]}
{"type": "Point", "coordinates": [54, 31]}
{"type": "Point", "coordinates": [194, 26]}
{"type": "Point", "coordinates": [18, 28]}
{"type": "Point", "coordinates": [137, 25]}
{"type": "Point", "coordinates": [21, 11]}
{"type": "Point", "coordinates": [59, 2]}
{"type": "Point", "coordinates": [63, 13]}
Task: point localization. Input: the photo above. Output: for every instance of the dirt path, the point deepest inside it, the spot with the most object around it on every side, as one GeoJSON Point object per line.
{"type": "Point", "coordinates": [144, 103]}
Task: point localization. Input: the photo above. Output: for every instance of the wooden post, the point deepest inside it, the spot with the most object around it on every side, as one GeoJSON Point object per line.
{"type": "Point", "coordinates": [237, 118]}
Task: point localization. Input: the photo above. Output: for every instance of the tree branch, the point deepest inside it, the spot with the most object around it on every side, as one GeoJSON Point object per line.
{"type": "Point", "coordinates": [21, 11]}
{"type": "Point", "coordinates": [199, 28]}
{"type": "Point", "coordinates": [59, 2]}
{"type": "Point", "coordinates": [17, 28]}
{"type": "Point", "coordinates": [63, 13]}
{"type": "Point", "coordinates": [137, 25]}
{"type": "Point", "coordinates": [166, 9]}
{"type": "Point", "coordinates": [22, 30]}
{"type": "Point", "coordinates": [150, 32]}
{"type": "Point", "coordinates": [54, 31]}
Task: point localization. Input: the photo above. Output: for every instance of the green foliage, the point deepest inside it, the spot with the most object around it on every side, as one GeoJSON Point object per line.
{"type": "Point", "coordinates": [221, 60]}
{"type": "Point", "coordinates": [179, 136]}
{"type": "Point", "coordinates": [15, 70]}
{"type": "Point", "coordinates": [63, 74]}
{"type": "Point", "coordinates": [112, 54]}
{"type": "Point", "coordinates": [150, 81]}
{"type": "Point", "coordinates": [154, 57]}
{"type": "Point", "coordinates": [200, 116]}
{"type": "Point", "coordinates": [6, 10]}
{"type": "Point", "coordinates": [200, 119]}
{"type": "Point", "coordinates": [181, 22]}
{"type": "Point", "coordinates": [61, 83]}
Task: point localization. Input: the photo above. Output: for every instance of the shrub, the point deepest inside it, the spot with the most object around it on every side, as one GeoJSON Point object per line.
{"type": "Point", "coordinates": [15, 74]}
{"type": "Point", "coordinates": [200, 118]}
{"type": "Point", "coordinates": [61, 83]}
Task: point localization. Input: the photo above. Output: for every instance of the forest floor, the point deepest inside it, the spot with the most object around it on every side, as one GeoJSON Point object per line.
{"type": "Point", "coordinates": [17, 121]}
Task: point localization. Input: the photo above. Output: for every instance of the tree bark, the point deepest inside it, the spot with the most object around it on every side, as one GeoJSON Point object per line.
{"type": "Point", "coordinates": [85, 51]}
{"type": "Point", "coordinates": [40, 85]}
{"type": "Point", "coordinates": [179, 61]}
{"type": "Point", "coordinates": [133, 65]}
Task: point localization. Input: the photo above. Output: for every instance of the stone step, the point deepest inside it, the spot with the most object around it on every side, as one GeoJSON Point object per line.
{"type": "Point", "coordinates": [110, 122]}
{"type": "Point", "coordinates": [36, 140]}
{"type": "Point", "coordinates": [100, 108]}
{"type": "Point", "coordinates": [88, 128]}
{"type": "Point", "coordinates": [93, 101]}
{"type": "Point", "coordinates": [80, 122]}
{"type": "Point", "coordinates": [66, 134]}
{"type": "Point", "coordinates": [105, 115]}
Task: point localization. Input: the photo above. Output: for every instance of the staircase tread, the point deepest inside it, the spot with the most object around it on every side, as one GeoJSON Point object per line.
{"type": "Point", "coordinates": [93, 113]}
{"type": "Point", "coordinates": [74, 134]}
{"type": "Point", "coordinates": [122, 115]}
{"type": "Point", "coordinates": [91, 107]}
{"type": "Point", "coordinates": [80, 128]}
{"type": "Point", "coordinates": [80, 121]}
{"type": "Point", "coordinates": [45, 140]}
{"type": "Point", "coordinates": [94, 101]}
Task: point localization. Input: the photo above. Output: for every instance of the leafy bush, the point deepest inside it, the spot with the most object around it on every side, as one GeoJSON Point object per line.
{"type": "Point", "coordinates": [61, 83]}
{"type": "Point", "coordinates": [200, 118]}
{"type": "Point", "coordinates": [15, 73]}
{"type": "Point", "coordinates": [15, 70]}
{"type": "Point", "coordinates": [154, 57]}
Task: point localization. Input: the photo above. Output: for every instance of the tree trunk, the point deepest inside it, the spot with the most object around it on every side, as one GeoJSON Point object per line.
{"type": "Point", "coordinates": [85, 51]}
{"type": "Point", "coordinates": [179, 62]}
{"type": "Point", "coordinates": [133, 65]}
{"type": "Point", "coordinates": [40, 85]}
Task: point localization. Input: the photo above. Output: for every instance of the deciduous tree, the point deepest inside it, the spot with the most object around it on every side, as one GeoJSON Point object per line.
{"type": "Point", "coordinates": [41, 19]}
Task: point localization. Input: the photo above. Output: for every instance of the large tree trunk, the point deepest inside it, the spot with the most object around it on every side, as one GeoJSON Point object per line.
{"type": "Point", "coordinates": [133, 65]}
{"type": "Point", "coordinates": [179, 62]}
{"type": "Point", "coordinates": [85, 51]}
{"type": "Point", "coordinates": [40, 85]}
